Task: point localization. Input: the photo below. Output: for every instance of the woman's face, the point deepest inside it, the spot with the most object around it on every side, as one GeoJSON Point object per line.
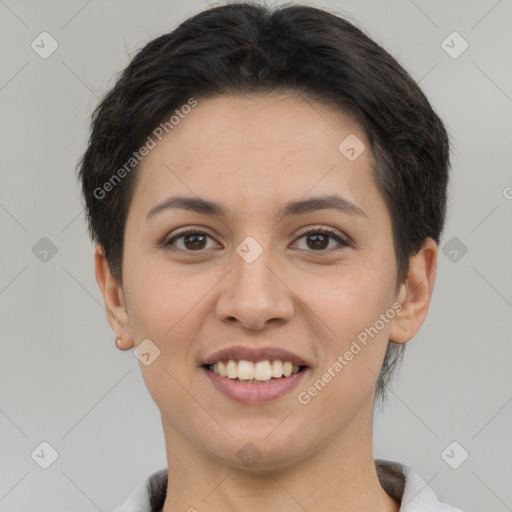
{"type": "Point", "coordinates": [252, 279]}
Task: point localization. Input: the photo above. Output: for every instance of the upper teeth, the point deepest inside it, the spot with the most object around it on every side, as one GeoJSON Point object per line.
{"type": "Point", "coordinates": [260, 370]}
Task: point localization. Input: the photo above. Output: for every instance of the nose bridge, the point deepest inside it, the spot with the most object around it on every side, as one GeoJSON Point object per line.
{"type": "Point", "coordinates": [252, 268]}
{"type": "Point", "coordinates": [254, 294]}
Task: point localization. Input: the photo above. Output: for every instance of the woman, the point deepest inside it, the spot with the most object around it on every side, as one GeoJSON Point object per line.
{"type": "Point", "coordinates": [267, 190]}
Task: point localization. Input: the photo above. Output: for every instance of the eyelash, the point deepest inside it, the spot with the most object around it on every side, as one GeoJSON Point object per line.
{"type": "Point", "coordinates": [324, 231]}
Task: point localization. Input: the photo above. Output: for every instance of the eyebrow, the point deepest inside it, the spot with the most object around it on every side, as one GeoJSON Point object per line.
{"type": "Point", "coordinates": [312, 204]}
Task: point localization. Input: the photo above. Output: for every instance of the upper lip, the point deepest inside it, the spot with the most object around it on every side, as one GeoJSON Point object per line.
{"type": "Point", "coordinates": [254, 354]}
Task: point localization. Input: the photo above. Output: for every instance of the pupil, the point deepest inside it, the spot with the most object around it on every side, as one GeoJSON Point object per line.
{"type": "Point", "coordinates": [316, 237]}
{"type": "Point", "coordinates": [194, 237]}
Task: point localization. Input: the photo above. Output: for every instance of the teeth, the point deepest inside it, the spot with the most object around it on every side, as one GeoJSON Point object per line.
{"type": "Point", "coordinates": [262, 370]}
{"type": "Point", "coordinates": [244, 370]}
{"type": "Point", "coordinates": [231, 369]}
{"type": "Point", "coordinates": [221, 367]}
{"type": "Point", "coordinates": [287, 369]}
{"type": "Point", "coordinates": [277, 369]}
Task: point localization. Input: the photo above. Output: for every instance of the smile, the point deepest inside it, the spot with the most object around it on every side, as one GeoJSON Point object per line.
{"type": "Point", "coordinates": [254, 382]}
{"type": "Point", "coordinates": [254, 371]}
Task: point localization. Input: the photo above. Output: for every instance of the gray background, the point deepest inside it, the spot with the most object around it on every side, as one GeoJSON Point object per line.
{"type": "Point", "coordinates": [62, 379]}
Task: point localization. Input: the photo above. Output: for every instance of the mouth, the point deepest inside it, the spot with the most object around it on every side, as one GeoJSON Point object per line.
{"type": "Point", "coordinates": [255, 376]}
{"type": "Point", "coordinates": [254, 372]}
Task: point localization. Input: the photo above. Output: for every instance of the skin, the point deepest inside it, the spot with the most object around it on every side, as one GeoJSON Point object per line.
{"type": "Point", "coordinates": [253, 154]}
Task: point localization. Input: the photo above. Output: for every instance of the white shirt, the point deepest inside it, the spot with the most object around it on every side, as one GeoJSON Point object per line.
{"type": "Point", "coordinates": [399, 481]}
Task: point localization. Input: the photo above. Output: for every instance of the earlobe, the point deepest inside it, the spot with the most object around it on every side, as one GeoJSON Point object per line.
{"type": "Point", "coordinates": [415, 293]}
{"type": "Point", "coordinates": [113, 298]}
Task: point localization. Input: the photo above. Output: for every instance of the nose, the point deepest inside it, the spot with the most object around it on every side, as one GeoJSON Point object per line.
{"type": "Point", "coordinates": [255, 294]}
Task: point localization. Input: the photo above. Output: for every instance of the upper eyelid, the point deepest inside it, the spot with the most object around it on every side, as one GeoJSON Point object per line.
{"type": "Point", "coordinates": [346, 240]}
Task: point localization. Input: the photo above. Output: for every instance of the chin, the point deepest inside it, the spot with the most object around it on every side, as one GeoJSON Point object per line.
{"type": "Point", "coordinates": [260, 448]}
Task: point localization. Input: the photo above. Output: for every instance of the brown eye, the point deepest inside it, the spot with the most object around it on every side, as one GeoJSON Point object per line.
{"type": "Point", "coordinates": [318, 240]}
{"type": "Point", "coordinates": [192, 239]}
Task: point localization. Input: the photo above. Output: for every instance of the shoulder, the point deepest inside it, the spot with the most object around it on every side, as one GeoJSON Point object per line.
{"type": "Point", "coordinates": [149, 495]}
{"type": "Point", "coordinates": [403, 484]}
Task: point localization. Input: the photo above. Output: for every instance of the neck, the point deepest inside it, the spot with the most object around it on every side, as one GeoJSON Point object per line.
{"type": "Point", "coordinates": [339, 476]}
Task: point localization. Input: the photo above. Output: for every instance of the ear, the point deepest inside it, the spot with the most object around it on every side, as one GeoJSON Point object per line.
{"type": "Point", "coordinates": [415, 293]}
{"type": "Point", "coordinates": [113, 297]}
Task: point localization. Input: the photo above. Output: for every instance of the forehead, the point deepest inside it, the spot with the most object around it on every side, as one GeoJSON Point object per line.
{"type": "Point", "coordinates": [283, 125]}
{"type": "Point", "coordinates": [259, 149]}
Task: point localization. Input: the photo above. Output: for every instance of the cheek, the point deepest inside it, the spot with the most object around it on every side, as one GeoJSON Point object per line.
{"type": "Point", "coordinates": [164, 305]}
{"type": "Point", "coordinates": [351, 356]}
{"type": "Point", "coordinates": [350, 359]}
{"type": "Point", "coordinates": [160, 297]}
{"type": "Point", "coordinates": [350, 298]}
{"type": "Point", "coordinates": [350, 304]}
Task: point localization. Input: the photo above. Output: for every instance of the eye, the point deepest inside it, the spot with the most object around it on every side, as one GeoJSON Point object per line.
{"type": "Point", "coordinates": [193, 240]}
{"type": "Point", "coordinates": [320, 241]}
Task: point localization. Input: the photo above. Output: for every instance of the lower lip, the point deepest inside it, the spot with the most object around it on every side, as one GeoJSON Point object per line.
{"type": "Point", "coordinates": [254, 393]}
